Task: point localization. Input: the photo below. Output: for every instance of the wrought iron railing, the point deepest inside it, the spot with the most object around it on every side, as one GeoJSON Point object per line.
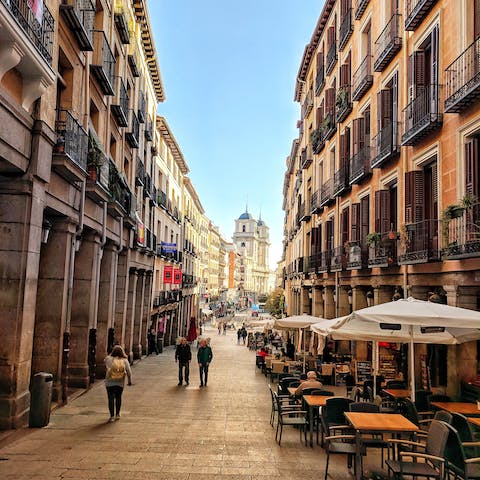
{"type": "Point", "coordinates": [462, 79]}
{"type": "Point", "coordinates": [119, 105]}
{"type": "Point", "coordinates": [360, 7]}
{"type": "Point", "coordinates": [149, 129]}
{"type": "Point", "coordinates": [362, 79]}
{"type": "Point", "coordinates": [306, 157]}
{"type": "Point", "coordinates": [315, 206]}
{"type": "Point", "coordinates": [357, 256]}
{"type": "Point", "coordinates": [324, 261]}
{"type": "Point", "coordinates": [346, 29]}
{"type": "Point", "coordinates": [103, 62]}
{"type": "Point", "coordinates": [338, 260]}
{"type": "Point", "coordinates": [72, 139]}
{"type": "Point", "coordinates": [388, 43]}
{"type": "Point", "coordinates": [343, 103]}
{"type": "Point", "coordinates": [326, 195]}
{"type": "Point", "coordinates": [37, 23]}
{"type": "Point", "coordinates": [360, 165]}
{"type": "Point", "coordinates": [331, 57]}
{"type": "Point", "coordinates": [133, 134]}
{"type": "Point", "coordinates": [140, 173]}
{"type": "Point", "coordinates": [80, 16]}
{"type": "Point", "coordinates": [119, 190]}
{"type": "Point", "coordinates": [307, 104]}
{"type": "Point", "coordinates": [415, 12]}
{"type": "Point", "coordinates": [320, 79]}
{"type": "Point", "coordinates": [385, 144]}
{"type": "Point", "coordinates": [341, 181]}
{"type": "Point", "coordinates": [421, 242]}
{"type": "Point", "coordinates": [142, 107]}
{"type": "Point", "coordinates": [383, 253]}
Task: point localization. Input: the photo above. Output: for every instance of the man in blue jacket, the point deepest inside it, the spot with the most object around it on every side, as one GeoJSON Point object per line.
{"type": "Point", "coordinates": [204, 357]}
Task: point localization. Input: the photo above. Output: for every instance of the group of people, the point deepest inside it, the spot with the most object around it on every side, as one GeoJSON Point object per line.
{"type": "Point", "coordinates": [242, 334]}
{"type": "Point", "coordinates": [183, 356]}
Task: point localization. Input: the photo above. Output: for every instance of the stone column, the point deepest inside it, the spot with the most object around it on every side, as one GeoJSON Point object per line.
{"type": "Point", "coordinates": [85, 285]}
{"type": "Point", "coordinates": [317, 302]}
{"type": "Point", "coordinates": [121, 296]}
{"type": "Point", "coordinates": [52, 303]}
{"type": "Point", "coordinates": [131, 306]}
{"type": "Point", "coordinates": [328, 302]}
{"type": "Point", "coordinates": [106, 304]}
{"type": "Point", "coordinates": [452, 295]}
{"type": "Point", "coordinates": [138, 316]}
{"type": "Point", "coordinates": [147, 305]}
{"type": "Point", "coordinates": [344, 306]}
{"type": "Point", "coordinates": [359, 300]}
{"type": "Point", "coordinates": [305, 301]}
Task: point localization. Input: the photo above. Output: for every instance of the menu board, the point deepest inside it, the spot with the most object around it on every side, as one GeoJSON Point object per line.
{"type": "Point", "coordinates": [363, 370]}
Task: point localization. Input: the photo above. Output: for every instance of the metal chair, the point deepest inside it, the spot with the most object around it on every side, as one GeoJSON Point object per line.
{"type": "Point", "coordinates": [459, 465]}
{"type": "Point", "coordinates": [332, 415]}
{"type": "Point", "coordinates": [290, 415]}
{"type": "Point", "coordinates": [343, 444]}
{"type": "Point", "coordinates": [465, 431]}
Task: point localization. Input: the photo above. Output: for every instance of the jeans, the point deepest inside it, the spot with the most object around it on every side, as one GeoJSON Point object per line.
{"type": "Point", "coordinates": [181, 366]}
{"type": "Point", "coordinates": [203, 373]}
{"type": "Point", "coordinates": [114, 399]}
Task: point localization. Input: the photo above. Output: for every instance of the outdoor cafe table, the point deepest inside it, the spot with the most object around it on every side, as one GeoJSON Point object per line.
{"type": "Point", "coordinates": [474, 420]}
{"type": "Point", "coordinates": [376, 423]}
{"type": "Point", "coordinates": [465, 408]}
{"type": "Point", "coordinates": [314, 402]}
{"type": "Point", "coordinates": [397, 393]}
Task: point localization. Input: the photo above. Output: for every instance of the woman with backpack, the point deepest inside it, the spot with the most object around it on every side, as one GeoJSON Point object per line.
{"type": "Point", "coordinates": [118, 368]}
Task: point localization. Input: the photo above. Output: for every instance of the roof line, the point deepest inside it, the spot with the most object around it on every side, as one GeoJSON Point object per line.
{"type": "Point", "coordinates": [193, 193]}
{"type": "Point", "coordinates": [167, 134]}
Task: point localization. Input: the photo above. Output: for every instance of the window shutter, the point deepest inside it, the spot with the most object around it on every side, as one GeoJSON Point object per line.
{"type": "Point", "coordinates": [329, 234]}
{"type": "Point", "coordinates": [382, 211]}
{"type": "Point", "coordinates": [344, 226]}
{"type": "Point", "coordinates": [355, 223]}
{"type": "Point", "coordinates": [313, 240]}
{"type": "Point", "coordinates": [419, 70]}
{"type": "Point", "coordinates": [366, 128]}
{"type": "Point", "coordinates": [345, 162]}
{"type": "Point", "coordinates": [319, 61]}
{"type": "Point", "coordinates": [330, 101]}
{"type": "Point", "coordinates": [364, 217]}
{"type": "Point", "coordinates": [319, 115]}
{"type": "Point", "coordinates": [358, 135]}
{"type": "Point", "coordinates": [472, 167]}
{"type": "Point", "coordinates": [331, 36]}
{"type": "Point", "coordinates": [386, 107]}
{"type": "Point", "coordinates": [414, 196]}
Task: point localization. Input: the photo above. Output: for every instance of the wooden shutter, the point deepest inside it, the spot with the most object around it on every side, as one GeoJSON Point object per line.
{"type": "Point", "coordinates": [331, 36]}
{"type": "Point", "coordinates": [344, 221]}
{"type": "Point", "coordinates": [319, 61]}
{"type": "Point", "coordinates": [476, 19]}
{"type": "Point", "coordinates": [472, 167]}
{"type": "Point", "coordinates": [320, 114]}
{"type": "Point", "coordinates": [384, 104]}
{"type": "Point", "coordinates": [434, 59]}
{"type": "Point", "coordinates": [382, 211]}
{"type": "Point", "coordinates": [366, 128]}
{"type": "Point", "coordinates": [329, 234]}
{"type": "Point", "coordinates": [414, 196]}
{"type": "Point", "coordinates": [330, 101]}
{"type": "Point", "coordinates": [364, 217]}
{"type": "Point", "coordinates": [355, 223]}
{"type": "Point", "coordinates": [345, 149]}
{"type": "Point", "coordinates": [313, 240]}
{"type": "Point", "coordinates": [358, 135]}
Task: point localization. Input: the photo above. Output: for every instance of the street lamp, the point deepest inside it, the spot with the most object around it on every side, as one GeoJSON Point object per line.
{"type": "Point", "coordinates": [370, 296]}
{"type": "Point", "coordinates": [46, 227]}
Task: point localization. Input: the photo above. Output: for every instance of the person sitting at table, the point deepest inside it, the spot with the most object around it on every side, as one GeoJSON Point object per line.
{"type": "Point", "coordinates": [310, 382]}
{"type": "Point", "coordinates": [262, 352]}
{"type": "Point", "coordinates": [290, 350]}
{"type": "Point", "coordinates": [283, 355]}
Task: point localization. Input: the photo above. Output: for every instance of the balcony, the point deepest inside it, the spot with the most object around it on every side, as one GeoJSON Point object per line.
{"type": "Point", "coordinates": [133, 134]}
{"type": "Point", "coordinates": [79, 15]}
{"type": "Point", "coordinates": [307, 104]}
{"type": "Point", "coordinates": [385, 145]}
{"type": "Point", "coordinates": [133, 60]}
{"type": "Point", "coordinates": [461, 236]}
{"type": "Point", "coordinates": [70, 151]}
{"type": "Point", "coordinates": [343, 103]}
{"type": "Point", "coordinates": [346, 29]}
{"type": "Point", "coordinates": [98, 176]}
{"type": "Point", "coordinates": [329, 125]}
{"type": "Point", "coordinates": [338, 261]}
{"type": "Point", "coordinates": [383, 254]}
{"type": "Point", "coordinates": [147, 185]}
{"type": "Point", "coordinates": [121, 22]}
{"type": "Point", "coordinates": [360, 8]}
{"type": "Point", "coordinates": [387, 44]}
{"type": "Point", "coordinates": [324, 261]}
{"type": "Point", "coordinates": [421, 243]}
{"type": "Point", "coordinates": [331, 58]}
{"type": "Point", "coordinates": [422, 115]}
{"type": "Point", "coordinates": [313, 263]}
{"type": "Point", "coordinates": [103, 63]}
{"type": "Point", "coordinates": [140, 174]}
{"type": "Point", "coordinates": [362, 78]}
{"type": "Point", "coordinates": [315, 206]}
{"type": "Point", "coordinates": [357, 256]}
{"type": "Point", "coordinates": [119, 106]}
{"type": "Point", "coordinates": [142, 107]}
{"type": "Point", "coordinates": [320, 80]}
{"type": "Point", "coordinates": [148, 129]}
{"type": "Point", "coordinates": [360, 166]}
{"type": "Point", "coordinates": [304, 212]}
{"type": "Point", "coordinates": [162, 199]}
{"type": "Point", "coordinates": [341, 182]}
{"type": "Point", "coordinates": [317, 141]}
{"type": "Point", "coordinates": [416, 11]}
{"type": "Point", "coordinates": [462, 80]}
{"type": "Point", "coordinates": [326, 193]}
{"type": "Point", "coordinates": [306, 157]}
{"type": "Point", "coordinates": [121, 197]}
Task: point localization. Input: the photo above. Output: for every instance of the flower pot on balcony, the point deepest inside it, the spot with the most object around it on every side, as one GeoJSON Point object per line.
{"type": "Point", "coordinates": [92, 173]}
{"type": "Point", "coordinates": [392, 235]}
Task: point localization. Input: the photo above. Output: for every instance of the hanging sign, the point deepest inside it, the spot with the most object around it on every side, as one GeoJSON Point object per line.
{"type": "Point", "coordinates": [177, 276]}
{"type": "Point", "coordinates": [167, 274]}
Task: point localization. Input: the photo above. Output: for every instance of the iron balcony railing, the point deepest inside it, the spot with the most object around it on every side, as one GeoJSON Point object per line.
{"type": "Point", "coordinates": [162, 198]}
{"type": "Point", "coordinates": [133, 59]}
{"type": "Point", "coordinates": [119, 106]}
{"type": "Point", "coordinates": [387, 44]}
{"type": "Point", "coordinates": [320, 79]}
{"type": "Point", "coordinates": [98, 162]}
{"type": "Point", "coordinates": [149, 129]}
{"type": "Point", "coordinates": [416, 11]}
{"type": "Point", "coordinates": [38, 25]}
{"type": "Point", "coordinates": [362, 79]}
{"type": "Point", "coordinates": [324, 261]}
{"type": "Point", "coordinates": [341, 181]}
{"type": "Point", "coordinates": [360, 7]}
{"type": "Point", "coordinates": [147, 185]}
{"type": "Point", "coordinates": [313, 263]}
{"type": "Point", "coordinates": [360, 165]}
{"type": "Point", "coordinates": [338, 261]}
{"type": "Point", "coordinates": [343, 103]}
{"type": "Point", "coordinates": [119, 190]}
{"type": "Point", "coordinates": [121, 22]}
{"type": "Point", "coordinates": [306, 157]}
{"type": "Point", "coordinates": [329, 126]}
{"type": "Point", "coordinates": [317, 140]}
{"type": "Point", "coordinates": [140, 174]}
{"type": "Point", "coordinates": [307, 104]}
{"type": "Point", "coordinates": [422, 114]}
{"type": "Point", "coordinates": [461, 235]}
{"type": "Point", "coordinates": [346, 29]}
{"type": "Point", "coordinates": [421, 244]}
{"type": "Point", "coordinates": [331, 58]}
{"type": "Point", "coordinates": [133, 134]}
{"type": "Point", "coordinates": [304, 212]}
{"type": "Point", "coordinates": [385, 144]}
{"type": "Point", "coordinates": [384, 253]}
{"type": "Point", "coordinates": [315, 206]}
{"type": "Point", "coordinates": [142, 107]}
{"type": "Point", "coordinates": [80, 16]}
{"type": "Point", "coordinates": [462, 79]}
{"type": "Point", "coordinates": [357, 256]}
{"type": "Point", "coordinates": [326, 195]}
{"type": "Point", "coordinates": [103, 63]}
{"type": "Point", "coordinates": [72, 139]}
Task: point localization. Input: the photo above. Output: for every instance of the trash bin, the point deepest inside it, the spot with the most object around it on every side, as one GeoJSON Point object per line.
{"type": "Point", "coordinates": [40, 399]}
{"type": "Point", "coordinates": [160, 345]}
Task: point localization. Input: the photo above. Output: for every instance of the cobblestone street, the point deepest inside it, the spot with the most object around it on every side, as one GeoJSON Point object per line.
{"type": "Point", "coordinates": [170, 432]}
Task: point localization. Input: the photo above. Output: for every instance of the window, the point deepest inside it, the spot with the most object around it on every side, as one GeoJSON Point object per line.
{"type": "Point", "coordinates": [243, 228]}
{"type": "Point", "coordinates": [344, 226]}
{"type": "Point", "coordinates": [386, 209]}
{"type": "Point", "coordinates": [421, 194]}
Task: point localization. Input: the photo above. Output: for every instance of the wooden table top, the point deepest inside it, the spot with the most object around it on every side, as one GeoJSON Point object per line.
{"type": "Point", "coordinates": [292, 390]}
{"type": "Point", "coordinates": [381, 422]}
{"type": "Point", "coordinates": [464, 408]}
{"type": "Point", "coordinates": [397, 393]}
{"type": "Point", "coordinates": [474, 420]}
{"type": "Point", "coordinates": [316, 400]}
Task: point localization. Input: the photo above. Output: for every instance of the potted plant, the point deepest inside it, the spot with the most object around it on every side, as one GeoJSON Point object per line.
{"type": "Point", "coordinates": [373, 239]}
{"type": "Point", "coordinates": [342, 97]}
{"type": "Point", "coordinates": [467, 201]}
{"type": "Point", "coordinates": [404, 237]}
{"type": "Point", "coordinates": [95, 158]}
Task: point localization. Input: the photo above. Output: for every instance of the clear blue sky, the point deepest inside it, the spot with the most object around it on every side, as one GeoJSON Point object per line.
{"type": "Point", "coordinates": [229, 72]}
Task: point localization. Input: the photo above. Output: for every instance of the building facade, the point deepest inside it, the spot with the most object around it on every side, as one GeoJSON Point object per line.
{"type": "Point", "coordinates": [387, 149]}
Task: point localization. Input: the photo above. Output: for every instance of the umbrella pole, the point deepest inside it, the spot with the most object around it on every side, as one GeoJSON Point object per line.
{"type": "Point", "coordinates": [412, 365]}
{"type": "Point", "coordinates": [303, 338]}
{"type": "Point", "coordinates": [375, 367]}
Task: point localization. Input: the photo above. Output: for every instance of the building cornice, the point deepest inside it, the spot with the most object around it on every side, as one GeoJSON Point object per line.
{"type": "Point", "coordinates": [193, 193]}
{"type": "Point", "coordinates": [169, 138]}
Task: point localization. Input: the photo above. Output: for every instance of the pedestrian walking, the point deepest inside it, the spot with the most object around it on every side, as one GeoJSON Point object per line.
{"type": "Point", "coordinates": [152, 341]}
{"type": "Point", "coordinates": [183, 355]}
{"type": "Point", "coordinates": [219, 326]}
{"type": "Point", "coordinates": [204, 357]}
{"type": "Point", "coordinates": [244, 334]}
{"type": "Point", "coordinates": [117, 369]}
{"type": "Point", "coordinates": [224, 325]}
{"type": "Point", "coordinates": [239, 335]}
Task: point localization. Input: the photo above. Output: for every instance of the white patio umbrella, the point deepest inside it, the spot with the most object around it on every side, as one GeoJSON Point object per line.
{"type": "Point", "coordinates": [297, 322]}
{"type": "Point", "coordinates": [407, 321]}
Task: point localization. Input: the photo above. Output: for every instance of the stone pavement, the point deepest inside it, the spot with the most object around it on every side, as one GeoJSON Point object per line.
{"type": "Point", "coordinates": [171, 432]}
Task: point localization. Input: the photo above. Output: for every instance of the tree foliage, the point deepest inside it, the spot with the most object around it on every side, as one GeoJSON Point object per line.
{"type": "Point", "coordinates": [275, 302]}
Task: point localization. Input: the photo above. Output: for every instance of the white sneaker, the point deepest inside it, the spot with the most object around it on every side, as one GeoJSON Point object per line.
{"type": "Point", "coordinates": [117, 417]}
{"type": "Point", "coordinates": [111, 419]}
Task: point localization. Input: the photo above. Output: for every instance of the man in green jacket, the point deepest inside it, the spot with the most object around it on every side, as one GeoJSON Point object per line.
{"type": "Point", "coordinates": [204, 357]}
